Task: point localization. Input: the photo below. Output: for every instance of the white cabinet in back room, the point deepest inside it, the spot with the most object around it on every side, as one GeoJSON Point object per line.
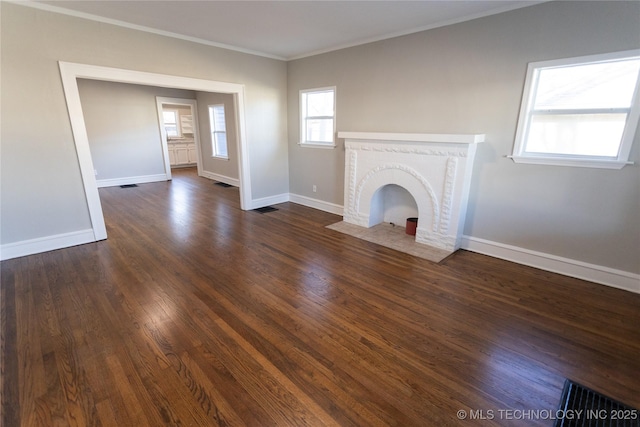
{"type": "Point", "coordinates": [182, 153]}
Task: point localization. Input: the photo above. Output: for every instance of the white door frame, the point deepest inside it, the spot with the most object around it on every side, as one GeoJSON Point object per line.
{"type": "Point", "coordinates": [70, 72]}
{"type": "Point", "coordinates": [191, 103]}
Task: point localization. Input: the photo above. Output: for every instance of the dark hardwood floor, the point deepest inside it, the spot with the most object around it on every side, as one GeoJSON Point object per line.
{"type": "Point", "coordinates": [196, 313]}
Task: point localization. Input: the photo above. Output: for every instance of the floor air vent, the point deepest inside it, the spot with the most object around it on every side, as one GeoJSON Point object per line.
{"type": "Point", "coordinates": [223, 184]}
{"type": "Point", "coordinates": [265, 209]}
{"type": "Point", "coordinates": [128, 185]}
{"type": "Point", "coordinates": [581, 406]}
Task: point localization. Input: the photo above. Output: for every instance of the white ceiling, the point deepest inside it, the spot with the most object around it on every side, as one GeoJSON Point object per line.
{"type": "Point", "coordinates": [283, 29]}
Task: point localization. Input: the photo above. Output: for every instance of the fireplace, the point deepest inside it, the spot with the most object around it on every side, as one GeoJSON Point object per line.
{"type": "Point", "coordinates": [435, 169]}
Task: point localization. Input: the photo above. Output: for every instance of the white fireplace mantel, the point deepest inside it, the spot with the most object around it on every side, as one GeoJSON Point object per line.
{"type": "Point", "coordinates": [434, 168]}
{"type": "Point", "coordinates": [447, 138]}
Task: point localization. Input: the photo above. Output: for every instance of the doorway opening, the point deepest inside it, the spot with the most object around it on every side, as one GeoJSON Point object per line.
{"type": "Point", "coordinates": [71, 72]}
{"type": "Point", "coordinates": [178, 120]}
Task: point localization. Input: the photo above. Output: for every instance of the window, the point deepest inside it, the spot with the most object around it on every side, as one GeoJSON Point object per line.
{"type": "Point", "coordinates": [218, 131]}
{"type": "Point", "coordinates": [580, 111]}
{"type": "Point", "coordinates": [170, 118]}
{"type": "Point", "coordinates": [317, 117]}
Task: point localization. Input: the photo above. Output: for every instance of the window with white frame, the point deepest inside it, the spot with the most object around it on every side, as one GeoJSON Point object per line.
{"type": "Point", "coordinates": [218, 131]}
{"type": "Point", "coordinates": [317, 117]}
{"type": "Point", "coordinates": [580, 111]}
{"type": "Point", "coordinates": [170, 119]}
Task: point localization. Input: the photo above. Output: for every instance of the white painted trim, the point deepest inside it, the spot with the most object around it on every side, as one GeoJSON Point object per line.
{"type": "Point", "coordinates": [70, 72]}
{"type": "Point", "coordinates": [317, 145]}
{"type": "Point", "coordinates": [271, 200]}
{"type": "Point", "coordinates": [568, 267]}
{"type": "Point", "coordinates": [316, 204]}
{"type": "Point", "coordinates": [557, 161]}
{"type": "Point", "coordinates": [45, 244]}
{"type": "Point", "coordinates": [220, 178]}
{"type": "Point", "coordinates": [143, 179]}
{"type": "Point", "coordinates": [415, 137]}
{"type": "Point", "coordinates": [81, 139]}
{"type": "Point", "coordinates": [244, 164]}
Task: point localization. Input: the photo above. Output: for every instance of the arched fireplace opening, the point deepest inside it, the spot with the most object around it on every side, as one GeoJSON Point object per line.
{"type": "Point", "coordinates": [383, 171]}
{"type": "Point", "coordinates": [392, 204]}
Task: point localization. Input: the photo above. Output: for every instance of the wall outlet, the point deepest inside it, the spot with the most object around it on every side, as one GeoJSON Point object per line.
{"type": "Point", "coordinates": [314, 188]}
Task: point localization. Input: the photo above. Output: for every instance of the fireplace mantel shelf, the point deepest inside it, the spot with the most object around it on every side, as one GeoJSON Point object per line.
{"type": "Point", "coordinates": [414, 137]}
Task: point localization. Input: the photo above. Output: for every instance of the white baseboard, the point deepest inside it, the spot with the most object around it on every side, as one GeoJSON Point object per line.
{"type": "Point", "coordinates": [45, 244]}
{"type": "Point", "coordinates": [568, 267]}
{"type": "Point", "coordinates": [114, 182]}
{"type": "Point", "coordinates": [316, 204]}
{"type": "Point", "coordinates": [301, 200]}
{"type": "Point", "coordinates": [221, 178]}
{"type": "Point", "coordinates": [271, 200]}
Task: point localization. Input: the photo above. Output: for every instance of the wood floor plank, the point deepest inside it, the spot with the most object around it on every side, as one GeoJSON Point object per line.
{"type": "Point", "coordinates": [31, 378]}
{"type": "Point", "coordinates": [194, 312]}
{"type": "Point", "coordinates": [210, 399]}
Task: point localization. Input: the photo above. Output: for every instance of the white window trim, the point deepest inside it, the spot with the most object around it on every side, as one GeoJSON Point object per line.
{"type": "Point", "coordinates": [316, 144]}
{"type": "Point", "coordinates": [520, 156]}
{"type": "Point", "coordinates": [211, 132]}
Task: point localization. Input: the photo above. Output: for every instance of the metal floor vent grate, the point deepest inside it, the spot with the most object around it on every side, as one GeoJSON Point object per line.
{"type": "Point", "coordinates": [265, 209]}
{"type": "Point", "coordinates": [581, 406]}
{"type": "Point", "coordinates": [223, 184]}
{"type": "Point", "coordinates": [128, 185]}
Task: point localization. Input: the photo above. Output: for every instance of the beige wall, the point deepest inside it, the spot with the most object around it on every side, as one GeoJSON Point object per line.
{"type": "Point", "coordinates": [468, 78]}
{"type": "Point", "coordinates": [42, 189]}
{"type": "Point", "coordinates": [224, 167]}
{"type": "Point", "coordinates": [123, 127]}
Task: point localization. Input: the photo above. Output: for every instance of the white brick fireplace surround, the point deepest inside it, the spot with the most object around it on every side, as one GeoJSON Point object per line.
{"type": "Point", "coordinates": [434, 168]}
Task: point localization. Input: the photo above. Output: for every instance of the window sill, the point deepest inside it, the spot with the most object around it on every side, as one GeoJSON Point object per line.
{"type": "Point", "coordinates": [317, 145]}
{"type": "Point", "coordinates": [581, 163]}
{"type": "Point", "coordinates": [220, 157]}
